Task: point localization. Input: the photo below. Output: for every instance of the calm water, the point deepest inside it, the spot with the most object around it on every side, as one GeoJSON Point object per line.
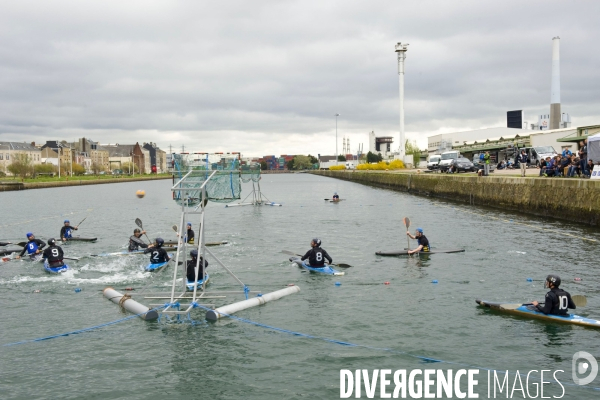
{"type": "Point", "coordinates": [232, 359]}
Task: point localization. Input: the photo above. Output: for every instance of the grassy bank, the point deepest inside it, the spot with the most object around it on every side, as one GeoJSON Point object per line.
{"type": "Point", "coordinates": [51, 182]}
{"type": "Point", "coordinates": [83, 178]}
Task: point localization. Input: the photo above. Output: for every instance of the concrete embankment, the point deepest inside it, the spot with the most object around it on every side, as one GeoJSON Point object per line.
{"type": "Point", "coordinates": [8, 186]}
{"type": "Point", "coordinates": [571, 199]}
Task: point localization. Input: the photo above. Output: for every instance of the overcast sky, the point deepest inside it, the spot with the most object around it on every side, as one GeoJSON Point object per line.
{"type": "Point", "coordinates": [267, 77]}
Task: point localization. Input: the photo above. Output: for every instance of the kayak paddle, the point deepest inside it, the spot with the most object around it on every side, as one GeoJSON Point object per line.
{"type": "Point", "coordinates": [77, 226]}
{"type": "Point", "coordinates": [71, 258]}
{"type": "Point", "coordinates": [138, 222]}
{"type": "Point", "coordinates": [22, 244]}
{"type": "Point", "coordinates": [407, 224]}
{"type": "Point", "coordinates": [341, 265]}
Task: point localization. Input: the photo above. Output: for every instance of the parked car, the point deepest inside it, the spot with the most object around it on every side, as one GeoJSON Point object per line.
{"type": "Point", "coordinates": [447, 158]}
{"type": "Point", "coordinates": [462, 165]}
{"type": "Point", "coordinates": [434, 162]}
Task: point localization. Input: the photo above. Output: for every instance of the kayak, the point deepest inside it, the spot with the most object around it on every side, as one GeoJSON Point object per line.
{"type": "Point", "coordinates": [11, 250]}
{"type": "Point", "coordinates": [190, 284]}
{"type": "Point", "coordinates": [326, 270]}
{"type": "Point", "coordinates": [530, 311]}
{"type": "Point", "coordinates": [55, 270]}
{"type": "Point", "coordinates": [155, 267]}
{"type": "Point", "coordinates": [81, 239]}
{"type": "Point", "coordinates": [405, 252]}
{"type": "Point", "coordinates": [129, 253]}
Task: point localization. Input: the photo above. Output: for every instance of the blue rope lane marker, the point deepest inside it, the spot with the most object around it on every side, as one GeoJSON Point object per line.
{"type": "Point", "coordinates": [399, 352]}
{"type": "Point", "coordinates": [83, 330]}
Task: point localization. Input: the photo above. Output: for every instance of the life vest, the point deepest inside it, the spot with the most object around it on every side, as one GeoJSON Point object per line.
{"type": "Point", "coordinates": [32, 247]}
{"type": "Point", "coordinates": [560, 301]}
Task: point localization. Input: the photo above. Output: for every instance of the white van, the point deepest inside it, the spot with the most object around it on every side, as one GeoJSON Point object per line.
{"type": "Point", "coordinates": [434, 162]}
{"type": "Point", "coordinates": [447, 158]}
{"type": "Point", "coordinates": [349, 165]}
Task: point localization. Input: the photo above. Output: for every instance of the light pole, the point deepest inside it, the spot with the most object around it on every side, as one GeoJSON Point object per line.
{"type": "Point", "coordinates": [336, 141]}
{"type": "Point", "coordinates": [401, 51]}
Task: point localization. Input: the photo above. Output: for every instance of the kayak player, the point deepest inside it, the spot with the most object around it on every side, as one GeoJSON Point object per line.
{"type": "Point", "coordinates": [316, 256]}
{"type": "Point", "coordinates": [135, 242]}
{"type": "Point", "coordinates": [32, 247]}
{"type": "Point", "coordinates": [189, 234]}
{"type": "Point", "coordinates": [66, 231]}
{"type": "Point", "coordinates": [54, 254]}
{"type": "Point", "coordinates": [191, 266]}
{"type": "Point", "coordinates": [158, 254]}
{"type": "Point", "coordinates": [557, 300]}
{"type": "Point", "coordinates": [336, 197]}
{"type": "Point", "coordinates": [423, 243]}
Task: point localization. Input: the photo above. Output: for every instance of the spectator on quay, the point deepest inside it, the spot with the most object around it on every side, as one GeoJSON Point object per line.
{"type": "Point", "coordinates": [501, 165]}
{"type": "Point", "coordinates": [486, 163]}
{"type": "Point", "coordinates": [589, 168]}
{"type": "Point", "coordinates": [564, 165]}
{"type": "Point", "coordinates": [543, 165]}
{"type": "Point", "coordinates": [566, 152]}
{"type": "Point", "coordinates": [523, 159]}
{"type": "Point", "coordinates": [550, 167]}
{"type": "Point", "coordinates": [583, 154]}
{"type": "Point", "coordinates": [574, 167]}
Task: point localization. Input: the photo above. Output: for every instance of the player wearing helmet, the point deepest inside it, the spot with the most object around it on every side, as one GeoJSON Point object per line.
{"type": "Point", "coordinates": [191, 267]}
{"type": "Point", "coordinates": [135, 242]}
{"type": "Point", "coordinates": [157, 253]}
{"type": "Point", "coordinates": [67, 230]}
{"type": "Point", "coordinates": [336, 197]}
{"type": "Point", "coordinates": [557, 300]}
{"type": "Point", "coordinates": [422, 241]}
{"type": "Point", "coordinates": [189, 234]}
{"type": "Point", "coordinates": [32, 247]}
{"type": "Point", "coordinates": [54, 254]}
{"type": "Point", "coordinates": [316, 256]}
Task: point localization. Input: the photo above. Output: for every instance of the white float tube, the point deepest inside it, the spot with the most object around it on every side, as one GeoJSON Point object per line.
{"type": "Point", "coordinates": [130, 305]}
{"type": "Point", "coordinates": [220, 312]}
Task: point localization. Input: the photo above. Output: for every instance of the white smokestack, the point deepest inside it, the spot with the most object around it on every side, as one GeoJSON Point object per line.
{"type": "Point", "coordinates": [555, 85]}
{"type": "Point", "coordinates": [401, 50]}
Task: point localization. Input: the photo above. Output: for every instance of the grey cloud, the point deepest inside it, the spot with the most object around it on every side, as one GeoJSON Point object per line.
{"type": "Point", "coordinates": [270, 75]}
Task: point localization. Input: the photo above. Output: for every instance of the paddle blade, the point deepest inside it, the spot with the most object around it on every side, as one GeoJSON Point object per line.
{"type": "Point", "coordinates": [406, 222]}
{"type": "Point", "coordinates": [138, 222]}
{"type": "Point", "coordinates": [579, 300]}
{"type": "Point", "coordinates": [342, 265]}
{"type": "Point", "coordinates": [22, 244]}
{"type": "Point", "coordinates": [174, 227]}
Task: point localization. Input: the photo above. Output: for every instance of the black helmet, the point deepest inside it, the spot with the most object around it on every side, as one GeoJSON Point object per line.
{"type": "Point", "coordinates": [553, 279]}
{"type": "Point", "coordinates": [317, 242]}
{"type": "Point", "coordinates": [51, 241]}
{"type": "Point", "coordinates": [136, 230]}
{"type": "Point", "coordinates": [159, 242]}
{"type": "Point", "coordinates": [194, 253]}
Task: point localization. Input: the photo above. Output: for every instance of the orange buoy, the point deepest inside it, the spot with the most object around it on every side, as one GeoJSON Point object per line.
{"type": "Point", "coordinates": [140, 193]}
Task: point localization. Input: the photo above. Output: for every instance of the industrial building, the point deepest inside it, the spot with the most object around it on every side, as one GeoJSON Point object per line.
{"type": "Point", "coordinates": [551, 130]}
